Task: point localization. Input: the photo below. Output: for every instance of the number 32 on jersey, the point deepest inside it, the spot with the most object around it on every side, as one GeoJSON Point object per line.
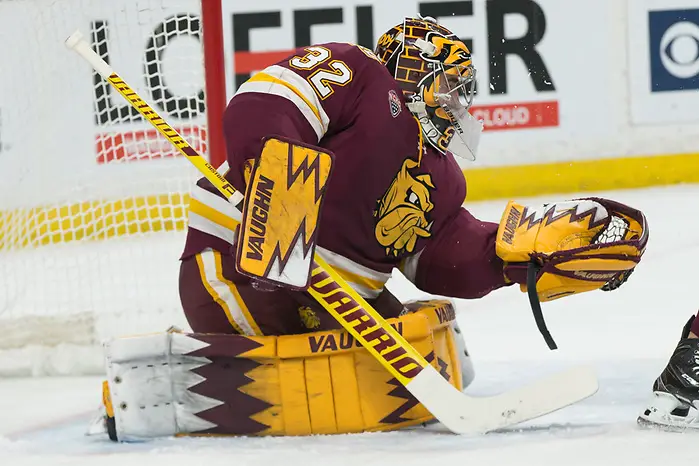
{"type": "Point", "coordinates": [323, 79]}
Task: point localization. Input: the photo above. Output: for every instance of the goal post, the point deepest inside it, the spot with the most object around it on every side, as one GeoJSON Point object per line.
{"type": "Point", "coordinates": [215, 72]}
{"type": "Point", "coordinates": [93, 201]}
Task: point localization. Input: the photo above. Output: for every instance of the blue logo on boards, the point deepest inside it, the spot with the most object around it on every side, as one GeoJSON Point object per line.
{"type": "Point", "coordinates": [674, 50]}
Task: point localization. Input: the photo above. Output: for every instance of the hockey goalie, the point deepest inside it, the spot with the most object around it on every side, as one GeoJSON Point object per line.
{"type": "Point", "coordinates": [348, 154]}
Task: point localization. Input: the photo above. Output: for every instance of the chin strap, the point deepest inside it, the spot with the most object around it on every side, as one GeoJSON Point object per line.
{"type": "Point", "coordinates": [532, 273]}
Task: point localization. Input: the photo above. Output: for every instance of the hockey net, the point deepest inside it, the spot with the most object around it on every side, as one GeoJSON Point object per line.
{"type": "Point", "coordinates": [92, 200]}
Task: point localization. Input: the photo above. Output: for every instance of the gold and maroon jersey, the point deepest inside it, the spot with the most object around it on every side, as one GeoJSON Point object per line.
{"type": "Point", "coordinates": [392, 200]}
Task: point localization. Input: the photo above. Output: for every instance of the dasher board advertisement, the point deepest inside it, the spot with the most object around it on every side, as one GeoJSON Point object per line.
{"type": "Point", "coordinates": [529, 79]}
{"type": "Point", "coordinates": [664, 61]}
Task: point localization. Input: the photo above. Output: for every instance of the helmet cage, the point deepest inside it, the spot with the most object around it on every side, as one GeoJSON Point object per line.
{"type": "Point", "coordinates": [434, 70]}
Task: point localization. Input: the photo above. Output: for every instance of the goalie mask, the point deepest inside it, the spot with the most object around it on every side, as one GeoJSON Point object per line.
{"type": "Point", "coordinates": [433, 67]}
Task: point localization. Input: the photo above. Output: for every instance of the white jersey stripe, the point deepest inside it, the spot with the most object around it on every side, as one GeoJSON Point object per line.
{"type": "Point", "coordinates": [265, 87]}
{"type": "Point", "coordinates": [364, 291]}
{"type": "Point", "coordinates": [374, 281]}
{"type": "Point", "coordinates": [277, 80]}
{"type": "Point", "coordinates": [215, 202]}
{"type": "Point", "coordinates": [223, 168]}
{"type": "Point", "coordinates": [304, 87]}
{"type": "Point", "coordinates": [336, 260]}
{"type": "Point", "coordinates": [205, 225]}
{"type": "Point", "coordinates": [225, 294]}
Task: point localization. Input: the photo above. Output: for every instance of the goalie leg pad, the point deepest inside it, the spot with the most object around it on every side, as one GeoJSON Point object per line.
{"type": "Point", "coordinates": [318, 383]}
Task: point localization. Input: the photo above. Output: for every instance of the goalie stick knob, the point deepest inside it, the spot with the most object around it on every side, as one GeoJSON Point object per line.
{"type": "Point", "coordinates": [77, 43]}
{"type": "Point", "coordinates": [74, 39]}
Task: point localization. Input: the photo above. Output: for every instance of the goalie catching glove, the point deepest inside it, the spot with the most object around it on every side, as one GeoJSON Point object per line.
{"type": "Point", "coordinates": [560, 249]}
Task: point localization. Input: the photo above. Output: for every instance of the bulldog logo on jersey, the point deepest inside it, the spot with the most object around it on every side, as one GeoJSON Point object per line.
{"type": "Point", "coordinates": [402, 213]}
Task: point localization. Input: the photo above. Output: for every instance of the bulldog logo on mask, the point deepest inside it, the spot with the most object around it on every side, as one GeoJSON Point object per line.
{"type": "Point", "coordinates": [402, 214]}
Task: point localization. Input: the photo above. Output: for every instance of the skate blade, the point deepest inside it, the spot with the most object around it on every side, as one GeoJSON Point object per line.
{"type": "Point", "coordinates": [674, 428]}
{"type": "Point", "coordinates": [659, 414]}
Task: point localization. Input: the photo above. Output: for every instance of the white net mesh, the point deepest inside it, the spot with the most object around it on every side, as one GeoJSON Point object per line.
{"type": "Point", "coordinates": [615, 231]}
{"type": "Point", "coordinates": [92, 200]}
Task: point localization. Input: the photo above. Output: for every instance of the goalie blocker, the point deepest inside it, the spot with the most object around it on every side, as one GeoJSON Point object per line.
{"type": "Point", "coordinates": [281, 211]}
{"type": "Point", "coordinates": [316, 383]}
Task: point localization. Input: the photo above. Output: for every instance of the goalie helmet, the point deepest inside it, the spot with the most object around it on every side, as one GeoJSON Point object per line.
{"type": "Point", "coordinates": [433, 68]}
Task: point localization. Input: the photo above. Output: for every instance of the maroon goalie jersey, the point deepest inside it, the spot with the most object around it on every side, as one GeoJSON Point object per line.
{"type": "Point", "coordinates": [391, 201]}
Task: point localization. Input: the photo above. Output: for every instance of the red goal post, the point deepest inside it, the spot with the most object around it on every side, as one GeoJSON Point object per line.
{"type": "Point", "coordinates": [214, 64]}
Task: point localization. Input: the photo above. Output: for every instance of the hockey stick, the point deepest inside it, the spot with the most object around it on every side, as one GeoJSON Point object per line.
{"type": "Point", "coordinates": [457, 411]}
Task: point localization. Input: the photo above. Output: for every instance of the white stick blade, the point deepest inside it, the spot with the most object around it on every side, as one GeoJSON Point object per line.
{"type": "Point", "coordinates": [464, 414]}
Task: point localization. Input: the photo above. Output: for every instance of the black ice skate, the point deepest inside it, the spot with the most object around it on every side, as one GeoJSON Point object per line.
{"type": "Point", "coordinates": [675, 402]}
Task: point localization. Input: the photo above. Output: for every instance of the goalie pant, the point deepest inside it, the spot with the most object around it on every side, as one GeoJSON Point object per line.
{"type": "Point", "coordinates": [218, 299]}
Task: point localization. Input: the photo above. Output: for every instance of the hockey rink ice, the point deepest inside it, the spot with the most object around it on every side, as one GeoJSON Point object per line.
{"type": "Point", "coordinates": [627, 335]}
